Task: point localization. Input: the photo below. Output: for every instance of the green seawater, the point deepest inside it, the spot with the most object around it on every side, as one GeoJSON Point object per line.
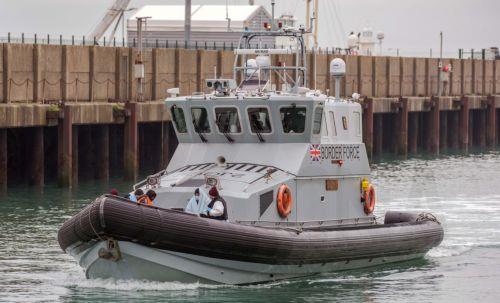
{"type": "Point", "coordinates": [462, 191]}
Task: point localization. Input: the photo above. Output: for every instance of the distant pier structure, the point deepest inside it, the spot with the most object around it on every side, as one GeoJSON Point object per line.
{"type": "Point", "coordinates": [221, 23]}
{"type": "Point", "coordinates": [70, 113]}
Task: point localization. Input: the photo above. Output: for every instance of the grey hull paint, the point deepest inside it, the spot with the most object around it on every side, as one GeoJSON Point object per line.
{"type": "Point", "coordinates": [141, 262]}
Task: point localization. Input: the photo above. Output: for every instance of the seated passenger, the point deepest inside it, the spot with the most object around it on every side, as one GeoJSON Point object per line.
{"type": "Point", "coordinates": [217, 208]}
{"type": "Point", "coordinates": [198, 203]}
{"type": "Point", "coordinates": [133, 197]}
{"type": "Point", "coordinates": [145, 199]}
{"type": "Point", "coordinates": [151, 195]}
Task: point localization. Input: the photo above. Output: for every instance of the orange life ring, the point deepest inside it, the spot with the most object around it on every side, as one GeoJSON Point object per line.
{"type": "Point", "coordinates": [369, 197]}
{"type": "Point", "coordinates": [284, 201]}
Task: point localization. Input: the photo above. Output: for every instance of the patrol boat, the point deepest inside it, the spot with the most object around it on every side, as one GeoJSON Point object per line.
{"type": "Point", "coordinates": [292, 167]}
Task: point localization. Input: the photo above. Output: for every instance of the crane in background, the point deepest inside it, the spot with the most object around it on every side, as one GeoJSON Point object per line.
{"type": "Point", "coordinates": [116, 13]}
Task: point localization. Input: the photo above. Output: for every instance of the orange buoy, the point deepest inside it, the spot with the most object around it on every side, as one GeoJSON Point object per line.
{"type": "Point", "coordinates": [284, 203]}
{"type": "Point", "coordinates": [369, 198]}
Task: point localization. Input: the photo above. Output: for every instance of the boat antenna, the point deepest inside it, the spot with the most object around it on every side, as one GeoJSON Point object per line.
{"type": "Point", "coordinates": [187, 22]}
{"type": "Point", "coordinates": [273, 2]}
{"type": "Point", "coordinates": [227, 17]}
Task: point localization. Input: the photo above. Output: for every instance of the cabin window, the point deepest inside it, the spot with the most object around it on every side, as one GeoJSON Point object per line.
{"type": "Point", "coordinates": [344, 122]}
{"type": "Point", "coordinates": [179, 119]}
{"type": "Point", "coordinates": [334, 127]}
{"type": "Point", "coordinates": [357, 123]}
{"type": "Point", "coordinates": [293, 119]}
{"type": "Point", "coordinates": [259, 120]}
{"type": "Point", "coordinates": [200, 119]}
{"type": "Point", "coordinates": [318, 117]}
{"type": "Point", "coordinates": [227, 120]}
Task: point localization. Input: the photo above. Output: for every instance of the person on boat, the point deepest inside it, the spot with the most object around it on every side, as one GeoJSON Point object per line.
{"type": "Point", "coordinates": [134, 196]}
{"type": "Point", "coordinates": [198, 203]}
{"type": "Point", "coordinates": [114, 192]}
{"type": "Point", "coordinates": [151, 195]}
{"type": "Point", "coordinates": [145, 199]}
{"type": "Point", "coordinates": [217, 208]}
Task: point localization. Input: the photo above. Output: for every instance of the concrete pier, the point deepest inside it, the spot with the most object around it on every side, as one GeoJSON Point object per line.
{"type": "Point", "coordinates": [74, 112]}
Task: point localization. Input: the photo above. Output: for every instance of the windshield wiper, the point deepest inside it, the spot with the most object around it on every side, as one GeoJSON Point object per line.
{"type": "Point", "coordinates": [257, 130]}
{"type": "Point", "coordinates": [225, 132]}
{"type": "Point", "coordinates": [197, 130]}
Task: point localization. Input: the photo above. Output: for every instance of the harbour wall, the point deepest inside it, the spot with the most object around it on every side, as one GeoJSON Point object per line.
{"type": "Point", "coordinates": [74, 112]}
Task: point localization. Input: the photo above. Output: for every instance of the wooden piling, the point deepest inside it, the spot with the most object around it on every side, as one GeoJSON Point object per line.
{"type": "Point", "coordinates": [413, 119]}
{"type": "Point", "coordinates": [432, 138]}
{"type": "Point", "coordinates": [3, 159]}
{"type": "Point", "coordinates": [378, 129]}
{"type": "Point", "coordinates": [65, 139]}
{"type": "Point", "coordinates": [491, 122]}
{"type": "Point", "coordinates": [402, 128]}
{"type": "Point", "coordinates": [443, 130]}
{"type": "Point", "coordinates": [130, 152]}
{"type": "Point", "coordinates": [464, 125]}
{"type": "Point", "coordinates": [37, 158]}
{"type": "Point", "coordinates": [102, 152]}
{"type": "Point", "coordinates": [368, 127]}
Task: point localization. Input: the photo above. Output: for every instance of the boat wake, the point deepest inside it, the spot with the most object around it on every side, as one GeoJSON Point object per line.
{"type": "Point", "coordinates": [112, 284]}
{"type": "Point", "coordinates": [452, 250]}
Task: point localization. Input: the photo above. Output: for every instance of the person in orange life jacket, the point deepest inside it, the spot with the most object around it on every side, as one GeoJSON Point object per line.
{"type": "Point", "coordinates": [151, 195]}
{"type": "Point", "coordinates": [148, 198]}
{"type": "Point", "coordinates": [217, 208]}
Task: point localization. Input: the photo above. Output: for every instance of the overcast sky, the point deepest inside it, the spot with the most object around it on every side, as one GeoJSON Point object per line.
{"type": "Point", "coordinates": [411, 25]}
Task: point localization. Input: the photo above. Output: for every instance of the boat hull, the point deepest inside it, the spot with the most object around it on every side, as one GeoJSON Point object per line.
{"type": "Point", "coordinates": [142, 262]}
{"type": "Point", "coordinates": [117, 238]}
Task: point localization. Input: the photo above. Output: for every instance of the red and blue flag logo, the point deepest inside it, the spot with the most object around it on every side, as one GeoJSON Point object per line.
{"type": "Point", "coordinates": [314, 152]}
